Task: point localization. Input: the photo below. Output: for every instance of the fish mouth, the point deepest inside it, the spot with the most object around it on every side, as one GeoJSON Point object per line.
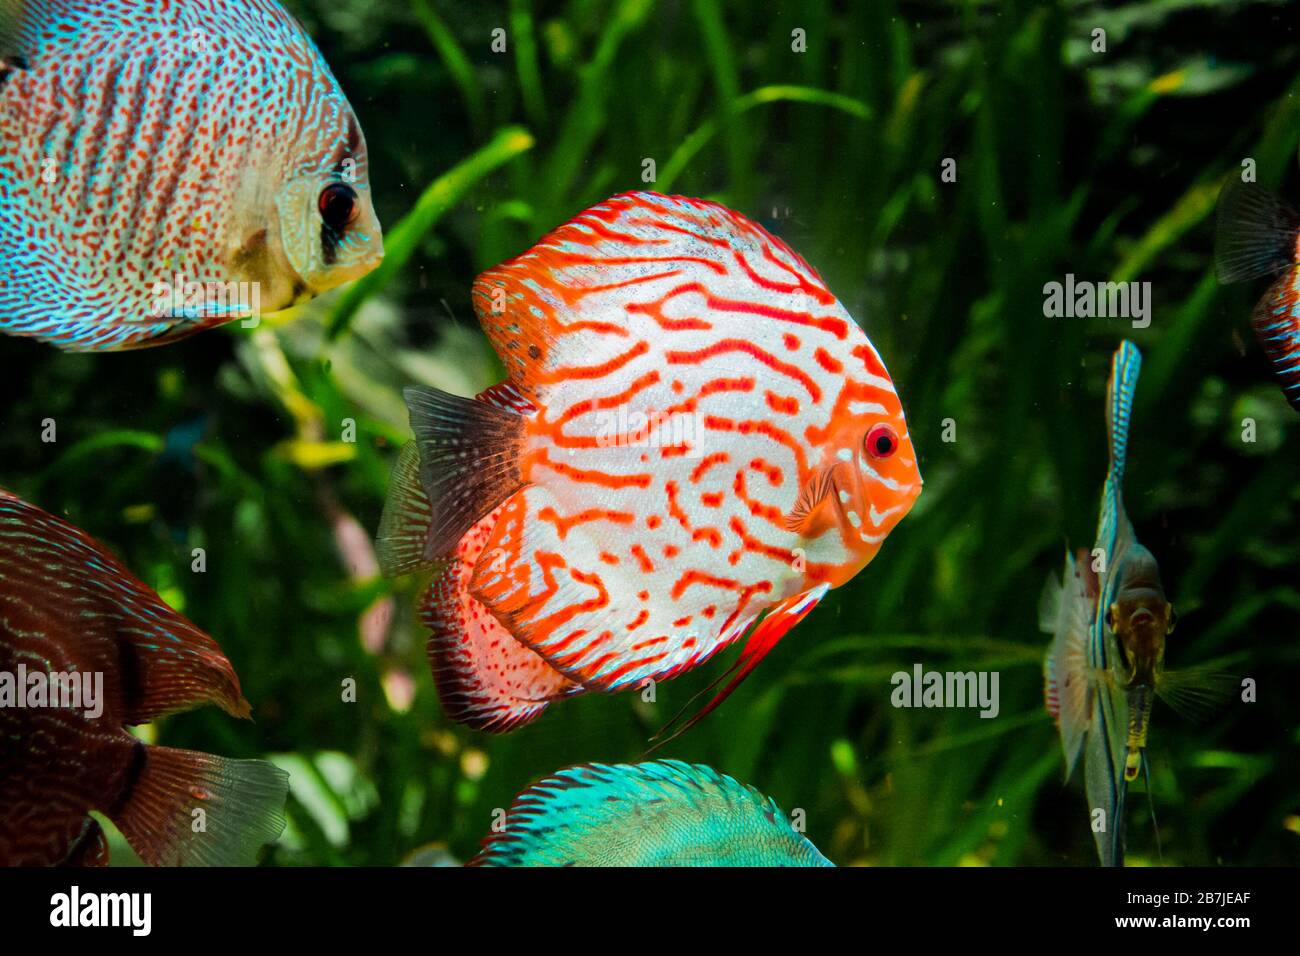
{"type": "Point", "coordinates": [336, 275]}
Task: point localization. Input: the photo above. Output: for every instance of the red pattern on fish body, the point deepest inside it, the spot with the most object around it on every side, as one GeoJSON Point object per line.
{"type": "Point", "coordinates": [486, 679]}
{"type": "Point", "coordinates": [183, 138]}
{"type": "Point", "coordinates": [632, 555]}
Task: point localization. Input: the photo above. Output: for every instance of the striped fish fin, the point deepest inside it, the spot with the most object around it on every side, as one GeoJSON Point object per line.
{"type": "Point", "coordinates": [660, 813]}
{"type": "Point", "coordinates": [1124, 370]}
{"type": "Point", "coordinates": [486, 679]}
{"type": "Point", "coordinates": [1276, 323]}
{"type": "Point", "coordinates": [534, 308]}
{"type": "Point", "coordinates": [175, 666]}
{"type": "Point", "coordinates": [402, 543]}
{"type": "Point", "coordinates": [404, 525]}
{"type": "Point", "coordinates": [1256, 232]}
{"type": "Point", "coordinates": [242, 801]}
{"type": "Point", "coordinates": [469, 464]}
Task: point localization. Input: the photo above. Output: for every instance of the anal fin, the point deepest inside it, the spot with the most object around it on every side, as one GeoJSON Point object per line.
{"type": "Point", "coordinates": [778, 622]}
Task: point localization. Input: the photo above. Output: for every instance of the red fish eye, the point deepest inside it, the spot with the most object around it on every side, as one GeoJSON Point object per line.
{"type": "Point", "coordinates": [338, 206]}
{"type": "Point", "coordinates": [882, 441]}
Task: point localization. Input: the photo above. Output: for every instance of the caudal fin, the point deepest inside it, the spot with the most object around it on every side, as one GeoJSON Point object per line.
{"type": "Point", "coordinates": [194, 809]}
{"type": "Point", "coordinates": [401, 542]}
{"type": "Point", "coordinates": [469, 461]}
{"type": "Point", "coordinates": [1256, 232]}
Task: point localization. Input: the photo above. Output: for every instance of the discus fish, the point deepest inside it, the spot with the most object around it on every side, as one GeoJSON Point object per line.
{"type": "Point", "coordinates": [661, 813]}
{"type": "Point", "coordinates": [693, 432]}
{"type": "Point", "coordinates": [1259, 234]}
{"type": "Point", "coordinates": [1110, 624]}
{"type": "Point", "coordinates": [72, 618]}
{"type": "Point", "coordinates": [170, 165]}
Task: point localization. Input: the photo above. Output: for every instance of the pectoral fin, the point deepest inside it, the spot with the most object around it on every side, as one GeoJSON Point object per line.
{"type": "Point", "coordinates": [815, 509]}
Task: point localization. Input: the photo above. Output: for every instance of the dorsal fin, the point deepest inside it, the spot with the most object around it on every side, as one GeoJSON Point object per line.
{"type": "Point", "coordinates": [536, 308]}
{"type": "Point", "coordinates": [51, 568]}
{"type": "Point", "coordinates": [1256, 232]}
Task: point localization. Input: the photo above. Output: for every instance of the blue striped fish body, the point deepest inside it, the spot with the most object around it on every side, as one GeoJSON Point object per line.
{"type": "Point", "coordinates": [170, 165]}
{"type": "Point", "coordinates": [1105, 751]}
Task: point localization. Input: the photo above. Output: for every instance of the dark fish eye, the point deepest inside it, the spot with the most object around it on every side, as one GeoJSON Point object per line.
{"type": "Point", "coordinates": [338, 206]}
{"type": "Point", "coordinates": [881, 442]}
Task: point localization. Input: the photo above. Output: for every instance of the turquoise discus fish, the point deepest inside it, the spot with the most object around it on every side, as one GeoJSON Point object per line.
{"type": "Point", "coordinates": [660, 813]}
{"type": "Point", "coordinates": [170, 165]}
{"type": "Point", "coordinates": [74, 621]}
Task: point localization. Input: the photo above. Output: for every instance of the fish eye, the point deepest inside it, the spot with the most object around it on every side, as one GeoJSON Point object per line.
{"type": "Point", "coordinates": [338, 206]}
{"type": "Point", "coordinates": [881, 441]}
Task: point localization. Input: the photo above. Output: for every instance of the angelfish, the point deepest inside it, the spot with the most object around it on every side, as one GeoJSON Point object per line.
{"type": "Point", "coordinates": [170, 165]}
{"type": "Point", "coordinates": [694, 434]}
{"type": "Point", "coordinates": [67, 606]}
{"type": "Point", "coordinates": [1259, 235]}
{"type": "Point", "coordinates": [660, 813]}
{"type": "Point", "coordinates": [1110, 619]}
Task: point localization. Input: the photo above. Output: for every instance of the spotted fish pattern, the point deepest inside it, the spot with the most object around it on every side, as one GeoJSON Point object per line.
{"type": "Point", "coordinates": [708, 436]}
{"type": "Point", "coordinates": [170, 165]}
{"type": "Point", "coordinates": [660, 813]}
{"type": "Point", "coordinates": [67, 606]}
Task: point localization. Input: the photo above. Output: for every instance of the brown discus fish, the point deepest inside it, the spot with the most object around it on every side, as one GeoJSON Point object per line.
{"type": "Point", "coordinates": [87, 649]}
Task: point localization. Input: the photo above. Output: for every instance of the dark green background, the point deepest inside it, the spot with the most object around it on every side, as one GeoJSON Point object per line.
{"type": "Point", "coordinates": [1105, 165]}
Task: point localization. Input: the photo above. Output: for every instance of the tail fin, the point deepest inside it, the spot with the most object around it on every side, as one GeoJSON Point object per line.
{"type": "Point", "coordinates": [468, 461]}
{"type": "Point", "coordinates": [1256, 232]}
{"type": "Point", "coordinates": [194, 809]}
{"type": "Point", "coordinates": [404, 525]}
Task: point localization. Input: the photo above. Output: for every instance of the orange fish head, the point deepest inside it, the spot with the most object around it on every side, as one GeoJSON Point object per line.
{"type": "Point", "coordinates": [884, 479]}
{"type": "Point", "coordinates": [867, 482]}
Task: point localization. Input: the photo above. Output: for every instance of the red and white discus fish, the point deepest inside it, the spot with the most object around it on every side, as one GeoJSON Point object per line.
{"type": "Point", "coordinates": [694, 432]}
{"type": "Point", "coordinates": [170, 165]}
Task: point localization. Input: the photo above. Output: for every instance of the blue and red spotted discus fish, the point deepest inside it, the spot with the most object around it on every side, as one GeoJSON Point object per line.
{"type": "Point", "coordinates": [170, 165]}
{"type": "Point", "coordinates": [661, 813]}
{"type": "Point", "coordinates": [1259, 234]}
{"type": "Point", "coordinates": [74, 621]}
{"type": "Point", "coordinates": [1110, 619]}
{"type": "Point", "coordinates": [694, 433]}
